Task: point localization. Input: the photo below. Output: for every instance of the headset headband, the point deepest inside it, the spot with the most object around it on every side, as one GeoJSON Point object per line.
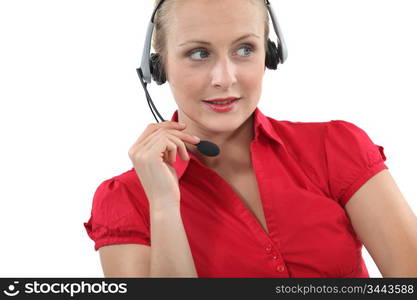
{"type": "Point", "coordinates": [146, 71]}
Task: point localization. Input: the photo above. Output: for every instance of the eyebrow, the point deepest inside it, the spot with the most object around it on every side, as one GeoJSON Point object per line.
{"type": "Point", "coordinates": [207, 43]}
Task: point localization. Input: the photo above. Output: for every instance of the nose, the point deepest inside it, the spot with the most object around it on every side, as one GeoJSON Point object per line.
{"type": "Point", "coordinates": [223, 73]}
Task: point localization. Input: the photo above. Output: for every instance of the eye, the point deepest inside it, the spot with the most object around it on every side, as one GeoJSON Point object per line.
{"type": "Point", "coordinates": [200, 50]}
{"type": "Point", "coordinates": [247, 47]}
{"type": "Point", "coordinates": [194, 54]}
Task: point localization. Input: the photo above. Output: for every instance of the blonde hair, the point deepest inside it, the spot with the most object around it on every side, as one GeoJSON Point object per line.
{"type": "Point", "coordinates": [161, 22]}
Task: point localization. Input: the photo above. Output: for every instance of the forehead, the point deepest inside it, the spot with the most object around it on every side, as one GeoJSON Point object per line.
{"type": "Point", "coordinates": [207, 18]}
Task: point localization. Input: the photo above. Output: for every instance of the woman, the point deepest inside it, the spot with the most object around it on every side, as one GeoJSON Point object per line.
{"type": "Point", "coordinates": [283, 199]}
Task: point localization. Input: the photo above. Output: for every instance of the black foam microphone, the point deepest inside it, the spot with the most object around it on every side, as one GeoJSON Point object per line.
{"type": "Point", "coordinates": [208, 148]}
{"type": "Point", "coordinates": [204, 147]}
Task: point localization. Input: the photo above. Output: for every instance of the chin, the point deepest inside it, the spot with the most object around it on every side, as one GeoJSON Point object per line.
{"type": "Point", "coordinates": [225, 126]}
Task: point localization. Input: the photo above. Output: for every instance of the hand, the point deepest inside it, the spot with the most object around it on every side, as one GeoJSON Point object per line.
{"type": "Point", "coordinates": [152, 156]}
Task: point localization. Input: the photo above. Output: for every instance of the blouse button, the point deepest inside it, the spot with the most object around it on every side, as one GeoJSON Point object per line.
{"type": "Point", "coordinates": [274, 257]}
{"type": "Point", "coordinates": [268, 249]}
{"type": "Point", "coordinates": [280, 268]}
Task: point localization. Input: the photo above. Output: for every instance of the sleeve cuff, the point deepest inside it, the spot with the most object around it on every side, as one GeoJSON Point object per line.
{"type": "Point", "coordinates": [120, 240]}
{"type": "Point", "coordinates": [364, 177]}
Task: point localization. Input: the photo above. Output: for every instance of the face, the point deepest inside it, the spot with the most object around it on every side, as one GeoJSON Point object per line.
{"type": "Point", "coordinates": [223, 66]}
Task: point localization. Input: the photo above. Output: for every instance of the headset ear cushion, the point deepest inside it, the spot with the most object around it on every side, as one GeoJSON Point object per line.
{"type": "Point", "coordinates": [157, 71]}
{"type": "Point", "coordinates": [272, 56]}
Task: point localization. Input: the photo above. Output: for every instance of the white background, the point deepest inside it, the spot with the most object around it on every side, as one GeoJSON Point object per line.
{"type": "Point", "coordinates": [71, 106]}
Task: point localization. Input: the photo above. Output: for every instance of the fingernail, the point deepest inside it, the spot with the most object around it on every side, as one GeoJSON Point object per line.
{"type": "Point", "coordinates": [181, 124]}
{"type": "Point", "coordinates": [196, 137]}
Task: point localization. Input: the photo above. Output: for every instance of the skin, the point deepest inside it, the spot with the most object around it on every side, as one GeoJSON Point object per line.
{"type": "Point", "coordinates": [221, 69]}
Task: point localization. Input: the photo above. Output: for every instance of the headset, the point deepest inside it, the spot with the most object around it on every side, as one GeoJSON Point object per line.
{"type": "Point", "coordinates": [151, 66]}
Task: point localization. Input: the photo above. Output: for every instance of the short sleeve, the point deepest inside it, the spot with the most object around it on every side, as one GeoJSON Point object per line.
{"type": "Point", "coordinates": [352, 158]}
{"type": "Point", "coordinates": [116, 217]}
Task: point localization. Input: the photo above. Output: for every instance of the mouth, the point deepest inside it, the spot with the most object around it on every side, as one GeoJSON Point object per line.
{"type": "Point", "coordinates": [221, 102]}
{"type": "Point", "coordinates": [222, 106]}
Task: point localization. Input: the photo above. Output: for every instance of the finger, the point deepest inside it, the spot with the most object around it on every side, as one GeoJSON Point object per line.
{"type": "Point", "coordinates": [172, 155]}
{"type": "Point", "coordinates": [182, 135]}
{"type": "Point", "coordinates": [174, 136]}
{"type": "Point", "coordinates": [160, 145]}
{"type": "Point", "coordinates": [152, 127]}
{"type": "Point", "coordinates": [185, 137]}
{"type": "Point", "coordinates": [179, 146]}
{"type": "Point", "coordinates": [171, 150]}
{"type": "Point", "coordinates": [180, 138]}
{"type": "Point", "coordinates": [182, 150]}
{"type": "Point", "coordinates": [151, 138]}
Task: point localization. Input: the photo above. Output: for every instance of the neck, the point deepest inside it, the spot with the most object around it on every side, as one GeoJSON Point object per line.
{"type": "Point", "coordinates": [234, 147]}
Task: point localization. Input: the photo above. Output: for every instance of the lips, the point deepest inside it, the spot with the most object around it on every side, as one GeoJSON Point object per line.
{"type": "Point", "coordinates": [222, 107]}
{"type": "Point", "coordinates": [222, 99]}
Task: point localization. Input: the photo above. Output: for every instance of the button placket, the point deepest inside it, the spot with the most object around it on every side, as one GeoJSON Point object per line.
{"type": "Point", "coordinates": [274, 255]}
{"type": "Point", "coordinates": [268, 248]}
{"type": "Point", "coordinates": [280, 268]}
{"type": "Point", "coordinates": [278, 263]}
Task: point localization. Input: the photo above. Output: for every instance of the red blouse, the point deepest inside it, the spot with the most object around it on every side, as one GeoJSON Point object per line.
{"type": "Point", "coordinates": [306, 172]}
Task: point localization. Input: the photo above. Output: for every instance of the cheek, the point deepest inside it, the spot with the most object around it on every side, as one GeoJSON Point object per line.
{"type": "Point", "coordinates": [186, 86]}
{"type": "Point", "coordinates": [190, 81]}
{"type": "Point", "coordinates": [251, 80]}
